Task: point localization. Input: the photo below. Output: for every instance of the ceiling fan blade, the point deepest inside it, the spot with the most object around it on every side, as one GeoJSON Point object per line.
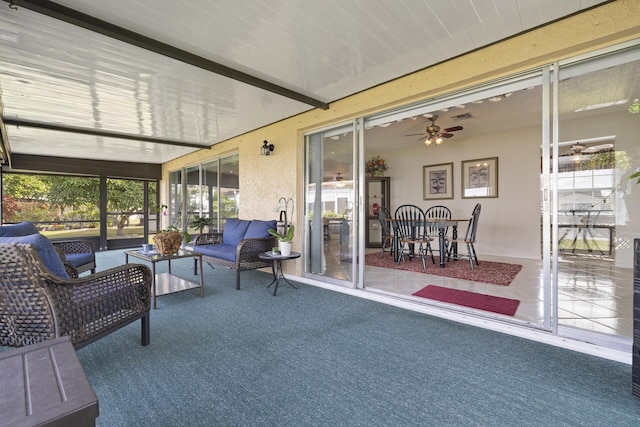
{"type": "Point", "coordinates": [596, 148]}
{"type": "Point", "coordinates": [417, 134]}
{"type": "Point", "coordinates": [453, 129]}
{"type": "Point", "coordinates": [446, 135]}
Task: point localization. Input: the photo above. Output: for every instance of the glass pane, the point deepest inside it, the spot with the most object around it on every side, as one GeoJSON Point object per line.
{"type": "Point", "coordinates": [597, 153]}
{"type": "Point", "coordinates": [125, 209]}
{"type": "Point", "coordinates": [193, 196]}
{"type": "Point", "coordinates": [229, 188]}
{"type": "Point", "coordinates": [210, 197]}
{"type": "Point", "coordinates": [172, 215]}
{"type": "Point", "coordinates": [62, 207]}
{"type": "Point", "coordinates": [153, 213]}
{"type": "Point", "coordinates": [329, 204]}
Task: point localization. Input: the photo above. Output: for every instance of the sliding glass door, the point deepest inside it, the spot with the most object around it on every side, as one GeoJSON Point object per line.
{"type": "Point", "coordinates": [598, 149]}
{"type": "Point", "coordinates": [330, 220]}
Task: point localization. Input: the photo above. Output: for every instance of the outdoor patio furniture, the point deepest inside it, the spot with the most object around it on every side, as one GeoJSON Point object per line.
{"type": "Point", "coordinates": [238, 247]}
{"type": "Point", "coordinates": [37, 305]}
{"type": "Point", "coordinates": [78, 253]}
{"type": "Point", "coordinates": [468, 240]}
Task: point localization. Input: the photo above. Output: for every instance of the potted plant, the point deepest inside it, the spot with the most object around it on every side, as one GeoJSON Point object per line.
{"type": "Point", "coordinates": [200, 222]}
{"type": "Point", "coordinates": [284, 240]}
{"type": "Point", "coordinates": [169, 240]}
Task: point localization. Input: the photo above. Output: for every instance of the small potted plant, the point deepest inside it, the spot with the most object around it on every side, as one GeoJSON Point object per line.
{"type": "Point", "coordinates": [284, 240]}
{"type": "Point", "coordinates": [168, 241]}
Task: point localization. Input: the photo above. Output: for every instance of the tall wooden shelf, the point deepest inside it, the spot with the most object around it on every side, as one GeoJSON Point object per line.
{"type": "Point", "coordinates": [377, 192]}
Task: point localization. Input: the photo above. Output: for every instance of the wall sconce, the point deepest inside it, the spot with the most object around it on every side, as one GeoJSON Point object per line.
{"type": "Point", "coordinates": [266, 148]}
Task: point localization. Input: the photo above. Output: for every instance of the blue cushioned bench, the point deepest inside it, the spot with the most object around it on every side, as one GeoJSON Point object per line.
{"type": "Point", "coordinates": [238, 246]}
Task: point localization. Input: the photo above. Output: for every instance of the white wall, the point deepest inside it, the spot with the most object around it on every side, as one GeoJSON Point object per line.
{"type": "Point", "coordinates": [512, 220]}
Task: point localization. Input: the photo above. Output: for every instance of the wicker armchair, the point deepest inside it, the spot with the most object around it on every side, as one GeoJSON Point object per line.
{"type": "Point", "coordinates": [36, 305]}
{"type": "Point", "coordinates": [79, 253]}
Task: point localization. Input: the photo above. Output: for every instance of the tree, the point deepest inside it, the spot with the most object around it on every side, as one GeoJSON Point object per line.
{"type": "Point", "coordinates": [22, 186]}
{"type": "Point", "coordinates": [124, 197]}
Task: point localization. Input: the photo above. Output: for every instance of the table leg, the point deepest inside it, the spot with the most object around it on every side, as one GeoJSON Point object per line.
{"type": "Point", "coordinates": [273, 271]}
{"type": "Point", "coordinates": [278, 273]}
{"type": "Point", "coordinates": [454, 244]}
{"type": "Point", "coordinates": [396, 252]}
{"type": "Point", "coordinates": [153, 280]}
{"type": "Point", "coordinates": [201, 278]}
{"type": "Point", "coordinates": [441, 243]}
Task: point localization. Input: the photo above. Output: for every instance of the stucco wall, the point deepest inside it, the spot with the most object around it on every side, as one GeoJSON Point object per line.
{"type": "Point", "coordinates": [265, 179]}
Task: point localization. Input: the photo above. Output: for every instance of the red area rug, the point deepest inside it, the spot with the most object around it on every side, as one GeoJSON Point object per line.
{"type": "Point", "coordinates": [497, 273]}
{"type": "Point", "coordinates": [484, 302]}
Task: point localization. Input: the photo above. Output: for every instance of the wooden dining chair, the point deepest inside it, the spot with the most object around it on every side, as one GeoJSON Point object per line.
{"type": "Point", "coordinates": [438, 212]}
{"type": "Point", "coordinates": [469, 239]}
{"type": "Point", "coordinates": [411, 233]}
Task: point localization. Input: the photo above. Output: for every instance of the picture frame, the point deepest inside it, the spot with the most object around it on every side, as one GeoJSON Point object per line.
{"type": "Point", "coordinates": [479, 178]}
{"type": "Point", "coordinates": [437, 181]}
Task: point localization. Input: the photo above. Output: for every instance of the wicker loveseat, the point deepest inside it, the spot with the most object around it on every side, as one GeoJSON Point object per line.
{"type": "Point", "coordinates": [238, 246]}
{"type": "Point", "coordinates": [36, 304]}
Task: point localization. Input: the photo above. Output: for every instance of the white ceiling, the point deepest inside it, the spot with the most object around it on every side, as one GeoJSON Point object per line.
{"type": "Point", "coordinates": [80, 94]}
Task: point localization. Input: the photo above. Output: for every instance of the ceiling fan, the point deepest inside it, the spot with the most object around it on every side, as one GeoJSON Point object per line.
{"type": "Point", "coordinates": [434, 134]}
{"type": "Point", "coordinates": [578, 149]}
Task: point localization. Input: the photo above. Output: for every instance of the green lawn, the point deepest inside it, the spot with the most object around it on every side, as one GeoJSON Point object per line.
{"type": "Point", "coordinates": [128, 232]}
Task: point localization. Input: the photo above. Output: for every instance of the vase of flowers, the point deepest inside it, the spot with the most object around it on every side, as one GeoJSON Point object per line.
{"type": "Point", "coordinates": [376, 166]}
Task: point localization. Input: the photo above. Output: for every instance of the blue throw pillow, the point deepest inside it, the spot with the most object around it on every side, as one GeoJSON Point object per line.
{"type": "Point", "coordinates": [234, 230]}
{"type": "Point", "coordinates": [22, 229]}
{"type": "Point", "coordinates": [45, 249]}
{"type": "Point", "coordinates": [259, 229]}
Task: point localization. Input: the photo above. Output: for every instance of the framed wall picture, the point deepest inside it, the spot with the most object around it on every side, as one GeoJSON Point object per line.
{"type": "Point", "coordinates": [480, 178]}
{"type": "Point", "coordinates": [437, 181]}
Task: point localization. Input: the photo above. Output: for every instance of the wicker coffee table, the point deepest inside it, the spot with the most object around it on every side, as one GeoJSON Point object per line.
{"type": "Point", "coordinates": [167, 283]}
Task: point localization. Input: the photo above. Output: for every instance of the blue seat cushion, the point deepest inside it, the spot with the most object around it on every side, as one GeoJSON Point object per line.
{"type": "Point", "coordinates": [21, 229]}
{"type": "Point", "coordinates": [259, 229]}
{"type": "Point", "coordinates": [222, 251]}
{"type": "Point", "coordinates": [79, 259]}
{"type": "Point", "coordinates": [45, 249]}
{"type": "Point", "coordinates": [234, 231]}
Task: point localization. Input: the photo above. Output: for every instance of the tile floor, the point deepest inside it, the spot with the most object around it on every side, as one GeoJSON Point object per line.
{"type": "Point", "coordinates": [592, 293]}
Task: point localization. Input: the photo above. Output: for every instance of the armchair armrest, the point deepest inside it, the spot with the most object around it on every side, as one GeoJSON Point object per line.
{"type": "Point", "coordinates": [85, 308]}
{"type": "Point", "coordinates": [249, 249]}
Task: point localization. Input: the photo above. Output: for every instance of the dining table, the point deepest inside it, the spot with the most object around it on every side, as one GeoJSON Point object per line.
{"type": "Point", "coordinates": [441, 224]}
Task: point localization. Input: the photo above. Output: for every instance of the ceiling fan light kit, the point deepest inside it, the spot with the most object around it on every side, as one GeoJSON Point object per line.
{"type": "Point", "coordinates": [434, 134]}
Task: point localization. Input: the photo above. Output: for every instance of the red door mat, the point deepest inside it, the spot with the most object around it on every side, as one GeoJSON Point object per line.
{"type": "Point", "coordinates": [484, 302]}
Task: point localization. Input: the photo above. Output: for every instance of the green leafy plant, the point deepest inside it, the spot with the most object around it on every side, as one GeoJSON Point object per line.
{"type": "Point", "coordinates": [283, 237]}
{"type": "Point", "coordinates": [636, 175]}
{"type": "Point", "coordinates": [200, 222]}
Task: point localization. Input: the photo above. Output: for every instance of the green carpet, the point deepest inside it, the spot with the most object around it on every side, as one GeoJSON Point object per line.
{"type": "Point", "coordinates": [313, 357]}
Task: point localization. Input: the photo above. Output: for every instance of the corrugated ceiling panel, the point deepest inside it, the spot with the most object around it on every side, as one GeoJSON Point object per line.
{"type": "Point", "coordinates": [54, 72]}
